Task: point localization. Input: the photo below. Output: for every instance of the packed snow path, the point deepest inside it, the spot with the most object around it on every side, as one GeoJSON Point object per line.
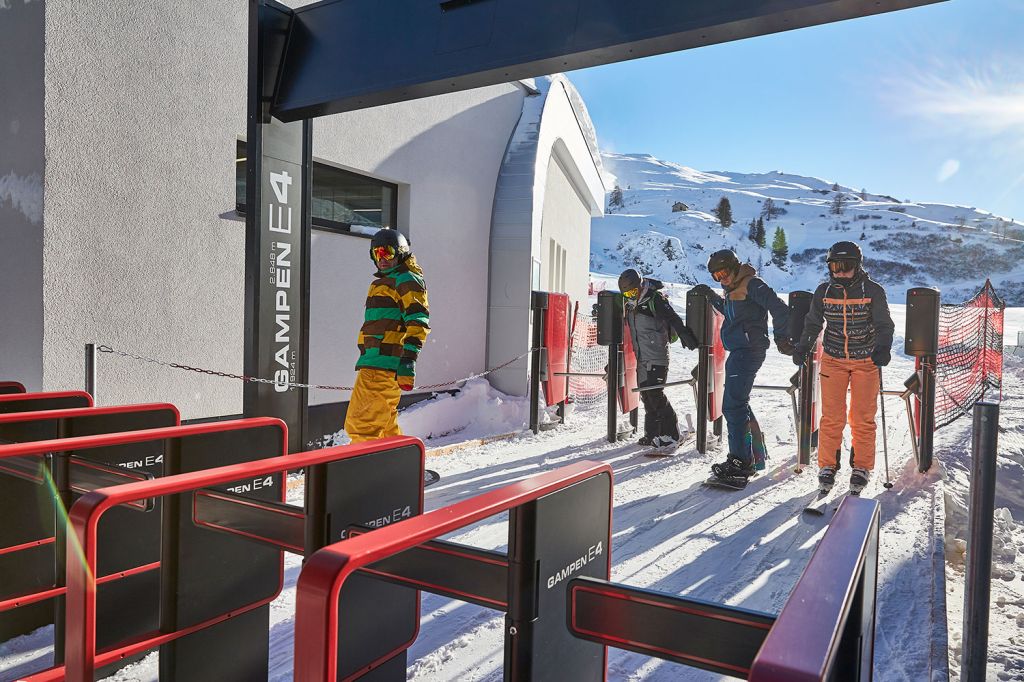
{"type": "Point", "coordinates": [743, 548]}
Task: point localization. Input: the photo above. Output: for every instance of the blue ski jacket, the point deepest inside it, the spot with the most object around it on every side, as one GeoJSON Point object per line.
{"type": "Point", "coordinates": [746, 306]}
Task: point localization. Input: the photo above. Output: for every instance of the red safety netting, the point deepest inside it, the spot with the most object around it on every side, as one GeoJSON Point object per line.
{"type": "Point", "coordinates": [969, 365]}
{"type": "Point", "coordinates": [586, 356]}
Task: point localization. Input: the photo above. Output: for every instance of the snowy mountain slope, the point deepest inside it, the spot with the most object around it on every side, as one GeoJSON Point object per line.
{"type": "Point", "coordinates": [906, 244]}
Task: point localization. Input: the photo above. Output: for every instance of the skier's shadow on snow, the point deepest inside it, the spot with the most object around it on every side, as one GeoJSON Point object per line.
{"type": "Point", "coordinates": [476, 481]}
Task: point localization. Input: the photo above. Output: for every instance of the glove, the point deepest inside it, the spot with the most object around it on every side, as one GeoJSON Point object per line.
{"type": "Point", "coordinates": [881, 356]}
{"type": "Point", "coordinates": [702, 289]}
{"type": "Point", "coordinates": [688, 339]}
{"type": "Point", "coordinates": [799, 356]}
{"type": "Point", "coordinates": [406, 375]}
{"type": "Point", "coordinates": [784, 345]}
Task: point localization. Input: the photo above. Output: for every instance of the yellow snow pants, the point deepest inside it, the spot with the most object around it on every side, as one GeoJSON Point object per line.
{"type": "Point", "coordinates": [373, 406]}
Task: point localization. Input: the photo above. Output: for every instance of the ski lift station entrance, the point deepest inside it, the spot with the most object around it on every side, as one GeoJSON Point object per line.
{"type": "Point", "coordinates": [145, 206]}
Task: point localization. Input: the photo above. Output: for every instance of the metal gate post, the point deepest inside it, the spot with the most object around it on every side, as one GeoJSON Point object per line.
{"type": "Point", "coordinates": [90, 370]}
{"type": "Point", "coordinates": [984, 440]}
{"type": "Point", "coordinates": [538, 304]}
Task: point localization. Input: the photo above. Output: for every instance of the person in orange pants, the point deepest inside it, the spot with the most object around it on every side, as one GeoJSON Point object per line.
{"type": "Point", "coordinates": [854, 312]}
{"type": "Point", "coordinates": [395, 325]}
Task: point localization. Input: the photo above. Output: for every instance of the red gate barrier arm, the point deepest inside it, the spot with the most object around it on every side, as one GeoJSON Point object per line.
{"type": "Point", "coordinates": [324, 574]}
{"type": "Point", "coordinates": [81, 655]}
{"type": "Point", "coordinates": [804, 642]}
{"type": "Point", "coordinates": [11, 397]}
{"type": "Point", "coordinates": [85, 412]}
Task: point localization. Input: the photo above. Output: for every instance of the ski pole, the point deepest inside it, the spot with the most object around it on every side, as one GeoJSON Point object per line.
{"type": "Point", "coordinates": [885, 436]}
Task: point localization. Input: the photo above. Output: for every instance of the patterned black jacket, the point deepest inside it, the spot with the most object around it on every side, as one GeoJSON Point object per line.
{"type": "Point", "coordinates": [855, 315]}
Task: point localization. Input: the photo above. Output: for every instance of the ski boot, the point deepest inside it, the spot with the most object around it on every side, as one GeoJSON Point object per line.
{"type": "Point", "coordinates": [665, 442]}
{"type": "Point", "coordinates": [858, 479]}
{"type": "Point", "coordinates": [733, 472]}
{"type": "Point", "coordinates": [646, 440]}
{"type": "Point", "coordinates": [826, 479]}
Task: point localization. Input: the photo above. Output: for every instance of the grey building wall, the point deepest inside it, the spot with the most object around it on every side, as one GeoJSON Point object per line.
{"type": "Point", "coordinates": [143, 104]}
{"type": "Point", "coordinates": [21, 193]}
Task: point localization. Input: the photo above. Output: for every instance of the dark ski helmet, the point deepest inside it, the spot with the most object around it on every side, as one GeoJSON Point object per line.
{"type": "Point", "coordinates": [723, 260]}
{"type": "Point", "coordinates": [630, 279]}
{"type": "Point", "coordinates": [393, 238]}
{"type": "Point", "coordinates": [845, 251]}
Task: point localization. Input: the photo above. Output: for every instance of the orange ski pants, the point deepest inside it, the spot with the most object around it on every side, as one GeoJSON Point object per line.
{"type": "Point", "coordinates": [373, 406]}
{"type": "Point", "coordinates": [861, 377]}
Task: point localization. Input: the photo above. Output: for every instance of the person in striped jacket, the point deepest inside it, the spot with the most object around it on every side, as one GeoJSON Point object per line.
{"type": "Point", "coordinates": [395, 325]}
{"type": "Point", "coordinates": [857, 343]}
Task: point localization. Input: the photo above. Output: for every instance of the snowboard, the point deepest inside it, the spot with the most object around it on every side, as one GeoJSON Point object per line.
{"type": "Point", "coordinates": [715, 482]}
{"type": "Point", "coordinates": [661, 452]}
{"type": "Point", "coordinates": [430, 477]}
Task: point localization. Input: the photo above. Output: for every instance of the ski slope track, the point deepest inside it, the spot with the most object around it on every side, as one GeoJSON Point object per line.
{"type": "Point", "coordinates": [745, 548]}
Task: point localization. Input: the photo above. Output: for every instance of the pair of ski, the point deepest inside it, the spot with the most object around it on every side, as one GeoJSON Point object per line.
{"type": "Point", "coordinates": [826, 501]}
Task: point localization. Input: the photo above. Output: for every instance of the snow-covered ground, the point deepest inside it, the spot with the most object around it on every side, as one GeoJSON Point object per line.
{"type": "Point", "coordinates": [741, 548]}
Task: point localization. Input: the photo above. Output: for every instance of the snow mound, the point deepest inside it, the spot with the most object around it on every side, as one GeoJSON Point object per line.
{"type": "Point", "coordinates": [476, 411]}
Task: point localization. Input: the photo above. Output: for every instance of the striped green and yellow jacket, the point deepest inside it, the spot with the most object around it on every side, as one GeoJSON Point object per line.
{"type": "Point", "coordinates": [397, 320]}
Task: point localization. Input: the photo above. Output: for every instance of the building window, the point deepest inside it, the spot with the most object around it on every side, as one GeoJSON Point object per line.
{"type": "Point", "coordinates": [343, 201]}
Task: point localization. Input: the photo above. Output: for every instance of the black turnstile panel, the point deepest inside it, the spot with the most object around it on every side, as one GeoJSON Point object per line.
{"type": "Point", "coordinates": [8, 387]}
{"type": "Point", "coordinates": [371, 491]}
{"type": "Point", "coordinates": [125, 607]}
{"type": "Point", "coordinates": [205, 574]}
{"type": "Point", "coordinates": [558, 537]}
{"type": "Point", "coordinates": [470, 574]}
{"type": "Point", "coordinates": [45, 402]}
{"type": "Point", "coordinates": [719, 638]}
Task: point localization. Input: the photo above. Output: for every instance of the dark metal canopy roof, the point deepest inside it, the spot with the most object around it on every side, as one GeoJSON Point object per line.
{"type": "Point", "coordinates": [342, 55]}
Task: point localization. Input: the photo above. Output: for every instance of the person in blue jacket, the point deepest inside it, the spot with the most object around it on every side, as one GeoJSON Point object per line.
{"type": "Point", "coordinates": [747, 302]}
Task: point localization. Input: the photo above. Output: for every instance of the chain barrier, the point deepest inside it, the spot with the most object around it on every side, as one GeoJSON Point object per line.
{"type": "Point", "coordinates": [103, 348]}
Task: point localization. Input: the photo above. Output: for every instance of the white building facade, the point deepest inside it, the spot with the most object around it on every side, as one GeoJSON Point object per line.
{"type": "Point", "coordinates": [120, 130]}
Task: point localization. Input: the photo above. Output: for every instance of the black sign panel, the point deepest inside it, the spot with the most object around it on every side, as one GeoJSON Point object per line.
{"type": "Point", "coordinates": [125, 606]}
{"type": "Point", "coordinates": [380, 619]}
{"type": "Point", "coordinates": [560, 536]}
{"type": "Point", "coordinates": [205, 573]}
{"type": "Point", "coordinates": [279, 156]}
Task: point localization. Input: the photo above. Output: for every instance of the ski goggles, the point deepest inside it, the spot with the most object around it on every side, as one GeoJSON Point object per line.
{"type": "Point", "coordinates": [632, 293]}
{"type": "Point", "coordinates": [842, 265]}
{"type": "Point", "coordinates": [719, 275]}
{"type": "Point", "coordinates": [383, 253]}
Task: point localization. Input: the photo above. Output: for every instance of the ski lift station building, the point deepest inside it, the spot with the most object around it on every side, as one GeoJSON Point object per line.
{"type": "Point", "coordinates": [122, 191]}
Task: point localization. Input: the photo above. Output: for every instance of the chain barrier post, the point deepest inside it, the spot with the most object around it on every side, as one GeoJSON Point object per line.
{"type": "Point", "coordinates": [538, 304]}
{"type": "Point", "coordinates": [984, 443]}
{"type": "Point", "coordinates": [609, 333]}
{"type": "Point", "coordinates": [700, 319]}
{"type": "Point", "coordinates": [922, 341]}
{"type": "Point", "coordinates": [90, 370]}
{"type": "Point", "coordinates": [799, 306]}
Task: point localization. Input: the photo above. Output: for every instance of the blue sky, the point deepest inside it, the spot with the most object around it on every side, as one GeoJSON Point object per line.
{"type": "Point", "coordinates": [924, 104]}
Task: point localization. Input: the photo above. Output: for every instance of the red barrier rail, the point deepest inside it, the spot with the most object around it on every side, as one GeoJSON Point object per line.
{"type": "Point", "coordinates": [40, 415]}
{"type": "Point", "coordinates": [324, 574]}
{"type": "Point", "coordinates": [109, 440]}
{"type": "Point", "coordinates": [12, 397]}
{"type": "Point", "coordinates": [8, 465]}
{"type": "Point", "coordinates": [811, 639]}
{"type": "Point", "coordinates": [81, 655]}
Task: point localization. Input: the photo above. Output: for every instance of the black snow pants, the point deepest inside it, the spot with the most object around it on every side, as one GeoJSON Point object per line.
{"type": "Point", "coordinates": [659, 417]}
